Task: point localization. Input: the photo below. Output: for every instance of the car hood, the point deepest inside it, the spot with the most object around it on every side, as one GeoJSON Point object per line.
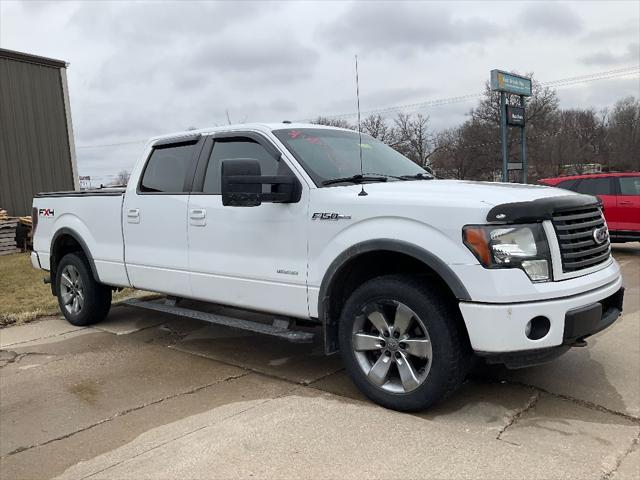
{"type": "Point", "coordinates": [459, 192]}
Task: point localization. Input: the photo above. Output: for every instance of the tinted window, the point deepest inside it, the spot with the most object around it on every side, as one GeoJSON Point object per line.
{"type": "Point", "coordinates": [567, 184]}
{"type": "Point", "coordinates": [234, 148]}
{"type": "Point", "coordinates": [594, 186]}
{"type": "Point", "coordinates": [629, 185]}
{"type": "Point", "coordinates": [328, 154]}
{"type": "Point", "coordinates": [166, 169]}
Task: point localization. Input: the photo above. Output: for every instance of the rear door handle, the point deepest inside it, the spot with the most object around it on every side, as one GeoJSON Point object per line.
{"type": "Point", "coordinates": [626, 202]}
{"type": "Point", "coordinates": [133, 215]}
{"type": "Point", "coordinates": [198, 217]}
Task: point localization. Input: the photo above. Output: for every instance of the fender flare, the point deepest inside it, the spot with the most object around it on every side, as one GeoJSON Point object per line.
{"type": "Point", "coordinates": [330, 325]}
{"type": "Point", "coordinates": [76, 236]}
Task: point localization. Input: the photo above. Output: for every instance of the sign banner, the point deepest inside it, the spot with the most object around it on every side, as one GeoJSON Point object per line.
{"type": "Point", "coordinates": [515, 116]}
{"type": "Point", "coordinates": [510, 83]}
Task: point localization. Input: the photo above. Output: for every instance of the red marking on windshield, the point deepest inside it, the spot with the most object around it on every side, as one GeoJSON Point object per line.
{"type": "Point", "coordinates": [294, 133]}
{"type": "Point", "coordinates": [312, 139]}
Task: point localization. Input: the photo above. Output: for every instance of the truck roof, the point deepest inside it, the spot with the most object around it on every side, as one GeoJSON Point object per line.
{"type": "Point", "coordinates": [244, 126]}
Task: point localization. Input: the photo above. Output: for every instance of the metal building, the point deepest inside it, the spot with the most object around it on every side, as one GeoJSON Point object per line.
{"type": "Point", "coordinates": [37, 152]}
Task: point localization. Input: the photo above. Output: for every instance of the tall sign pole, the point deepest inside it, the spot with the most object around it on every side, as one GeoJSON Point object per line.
{"type": "Point", "coordinates": [503, 136]}
{"type": "Point", "coordinates": [510, 84]}
{"type": "Point", "coordinates": [523, 146]}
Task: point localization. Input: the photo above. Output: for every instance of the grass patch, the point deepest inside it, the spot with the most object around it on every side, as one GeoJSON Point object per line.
{"type": "Point", "coordinates": [23, 295]}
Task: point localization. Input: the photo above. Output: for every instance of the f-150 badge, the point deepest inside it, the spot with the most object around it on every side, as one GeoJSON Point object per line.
{"type": "Point", "coordinates": [329, 216]}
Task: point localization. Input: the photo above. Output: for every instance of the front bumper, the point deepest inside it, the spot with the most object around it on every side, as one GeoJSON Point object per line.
{"type": "Point", "coordinates": [501, 328]}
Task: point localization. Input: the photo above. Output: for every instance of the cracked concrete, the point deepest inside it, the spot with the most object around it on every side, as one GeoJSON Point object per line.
{"type": "Point", "coordinates": [123, 413]}
{"type": "Point", "coordinates": [513, 419]}
{"type": "Point", "coordinates": [614, 471]}
{"type": "Point", "coordinates": [628, 466]}
{"type": "Point", "coordinates": [152, 396]}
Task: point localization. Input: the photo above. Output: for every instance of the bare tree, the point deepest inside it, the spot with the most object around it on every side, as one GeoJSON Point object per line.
{"type": "Point", "coordinates": [123, 177]}
{"type": "Point", "coordinates": [377, 127]}
{"type": "Point", "coordinates": [333, 122]}
{"type": "Point", "coordinates": [463, 152]}
{"type": "Point", "coordinates": [623, 134]}
{"type": "Point", "coordinates": [413, 138]}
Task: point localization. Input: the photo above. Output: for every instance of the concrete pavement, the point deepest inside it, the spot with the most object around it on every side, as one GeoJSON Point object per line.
{"type": "Point", "coordinates": [146, 395]}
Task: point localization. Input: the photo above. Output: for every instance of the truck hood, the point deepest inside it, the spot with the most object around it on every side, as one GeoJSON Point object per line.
{"type": "Point", "coordinates": [459, 192]}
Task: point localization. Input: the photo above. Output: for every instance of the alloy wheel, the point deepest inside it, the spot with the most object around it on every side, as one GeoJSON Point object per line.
{"type": "Point", "coordinates": [392, 346]}
{"type": "Point", "coordinates": [72, 289]}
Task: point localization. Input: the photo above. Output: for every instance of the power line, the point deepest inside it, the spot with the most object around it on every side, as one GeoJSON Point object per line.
{"type": "Point", "coordinates": [620, 72]}
{"type": "Point", "coordinates": [111, 144]}
{"type": "Point", "coordinates": [595, 76]}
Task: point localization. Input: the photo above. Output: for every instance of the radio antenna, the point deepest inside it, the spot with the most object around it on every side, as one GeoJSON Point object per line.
{"type": "Point", "coordinates": [362, 192]}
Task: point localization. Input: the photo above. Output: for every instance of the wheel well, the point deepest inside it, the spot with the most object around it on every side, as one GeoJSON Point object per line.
{"type": "Point", "coordinates": [63, 245]}
{"type": "Point", "coordinates": [365, 267]}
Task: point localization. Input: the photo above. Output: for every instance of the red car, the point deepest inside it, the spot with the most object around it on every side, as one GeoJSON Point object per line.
{"type": "Point", "coordinates": [620, 195]}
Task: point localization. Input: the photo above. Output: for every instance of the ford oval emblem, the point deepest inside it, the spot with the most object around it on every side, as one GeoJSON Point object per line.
{"type": "Point", "coordinates": [600, 235]}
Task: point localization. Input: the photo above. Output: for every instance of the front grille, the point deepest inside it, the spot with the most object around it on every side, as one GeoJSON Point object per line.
{"type": "Point", "coordinates": [578, 247]}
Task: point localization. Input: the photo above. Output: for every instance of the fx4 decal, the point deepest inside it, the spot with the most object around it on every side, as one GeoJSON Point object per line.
{"type": "Point", "coordinates": [329, 216]}
{"type": "Point", "coordinates": [46, 212]}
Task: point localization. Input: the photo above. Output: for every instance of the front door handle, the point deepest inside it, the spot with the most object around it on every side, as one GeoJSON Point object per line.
{"type": "Point", "coordinates": [133, 215]}
{"type": "Point", "coordinates": [198, 217]}
{"type": "Point", "coordinates": [625, 202]}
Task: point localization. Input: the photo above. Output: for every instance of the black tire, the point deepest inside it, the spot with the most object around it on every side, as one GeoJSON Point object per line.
{"type": "Point", "coordinates": [96, 296]}
{"type": "Point", "coordinates": [433, 309]}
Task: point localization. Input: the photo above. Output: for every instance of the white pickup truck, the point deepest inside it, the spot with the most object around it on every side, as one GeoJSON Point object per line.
{"type": "Point", "coordinates": [409, 277]}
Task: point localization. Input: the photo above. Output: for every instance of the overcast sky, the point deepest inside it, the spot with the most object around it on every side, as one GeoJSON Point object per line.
{"type": "Point", "coordinates": [139, 69]}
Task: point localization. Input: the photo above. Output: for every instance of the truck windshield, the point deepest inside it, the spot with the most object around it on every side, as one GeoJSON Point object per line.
{"type": "Point", "coordinates": [328, 154]}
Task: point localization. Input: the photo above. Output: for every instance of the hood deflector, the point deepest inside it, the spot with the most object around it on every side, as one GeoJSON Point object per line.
{"type": "Point", "coordinates": [539, 209]}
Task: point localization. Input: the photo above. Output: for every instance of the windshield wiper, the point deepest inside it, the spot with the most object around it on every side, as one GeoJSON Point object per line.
{"type": "Point", "coordinates": [417, 176]}
{"type": "Point", "coordinates": [355, 179]}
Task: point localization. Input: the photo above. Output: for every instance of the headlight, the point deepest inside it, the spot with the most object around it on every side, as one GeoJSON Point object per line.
{"type": "Point", "coordinates": [511, 246]}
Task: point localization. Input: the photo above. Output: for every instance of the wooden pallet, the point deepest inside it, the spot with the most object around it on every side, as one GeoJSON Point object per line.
{"type": "Point", "coordinates": [8, 227]}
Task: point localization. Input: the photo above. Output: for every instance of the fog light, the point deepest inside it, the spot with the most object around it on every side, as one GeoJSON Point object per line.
{"type": "Point", "coordinates": [537, 328]}
{"type": "Point", "coordinates": [538, 270]}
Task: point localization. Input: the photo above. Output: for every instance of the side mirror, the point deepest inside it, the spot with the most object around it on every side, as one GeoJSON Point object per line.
{"type": "Point", "coordinates": [242, 185]}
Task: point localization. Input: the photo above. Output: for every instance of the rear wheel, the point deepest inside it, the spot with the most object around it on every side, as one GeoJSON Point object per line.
{"type": "Point", "coordinates": [401, 343]}
{"type": "Point", "coordinates": [82, 300]}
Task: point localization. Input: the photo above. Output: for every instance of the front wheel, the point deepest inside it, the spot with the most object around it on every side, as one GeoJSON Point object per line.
{"type": "Point", "coordinates": [401, 343]}
{"type": "Point", "coordinates": [82, 300]}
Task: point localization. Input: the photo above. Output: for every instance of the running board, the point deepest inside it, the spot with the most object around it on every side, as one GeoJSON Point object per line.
{"type": "Point", "coordinates": [275, 330]}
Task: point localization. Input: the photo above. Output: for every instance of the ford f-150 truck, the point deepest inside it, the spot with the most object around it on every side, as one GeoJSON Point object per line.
{"type": "Point", "coordinates": [408, 277]}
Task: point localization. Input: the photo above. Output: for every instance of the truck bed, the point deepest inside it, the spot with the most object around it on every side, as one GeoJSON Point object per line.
{"type": "Point", "coordinates": [92, 217]}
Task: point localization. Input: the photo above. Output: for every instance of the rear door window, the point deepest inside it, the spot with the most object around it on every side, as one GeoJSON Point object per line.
{"type": "Point", "coordinates": [595, 186]}
{"type": "Point", "coordinates": [166, 169]}
{"type": "Point", "coordinates": [629, 185]}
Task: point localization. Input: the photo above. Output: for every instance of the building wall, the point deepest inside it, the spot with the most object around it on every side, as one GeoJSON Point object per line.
{"type": "Point", "coordinates": [35, 155]}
